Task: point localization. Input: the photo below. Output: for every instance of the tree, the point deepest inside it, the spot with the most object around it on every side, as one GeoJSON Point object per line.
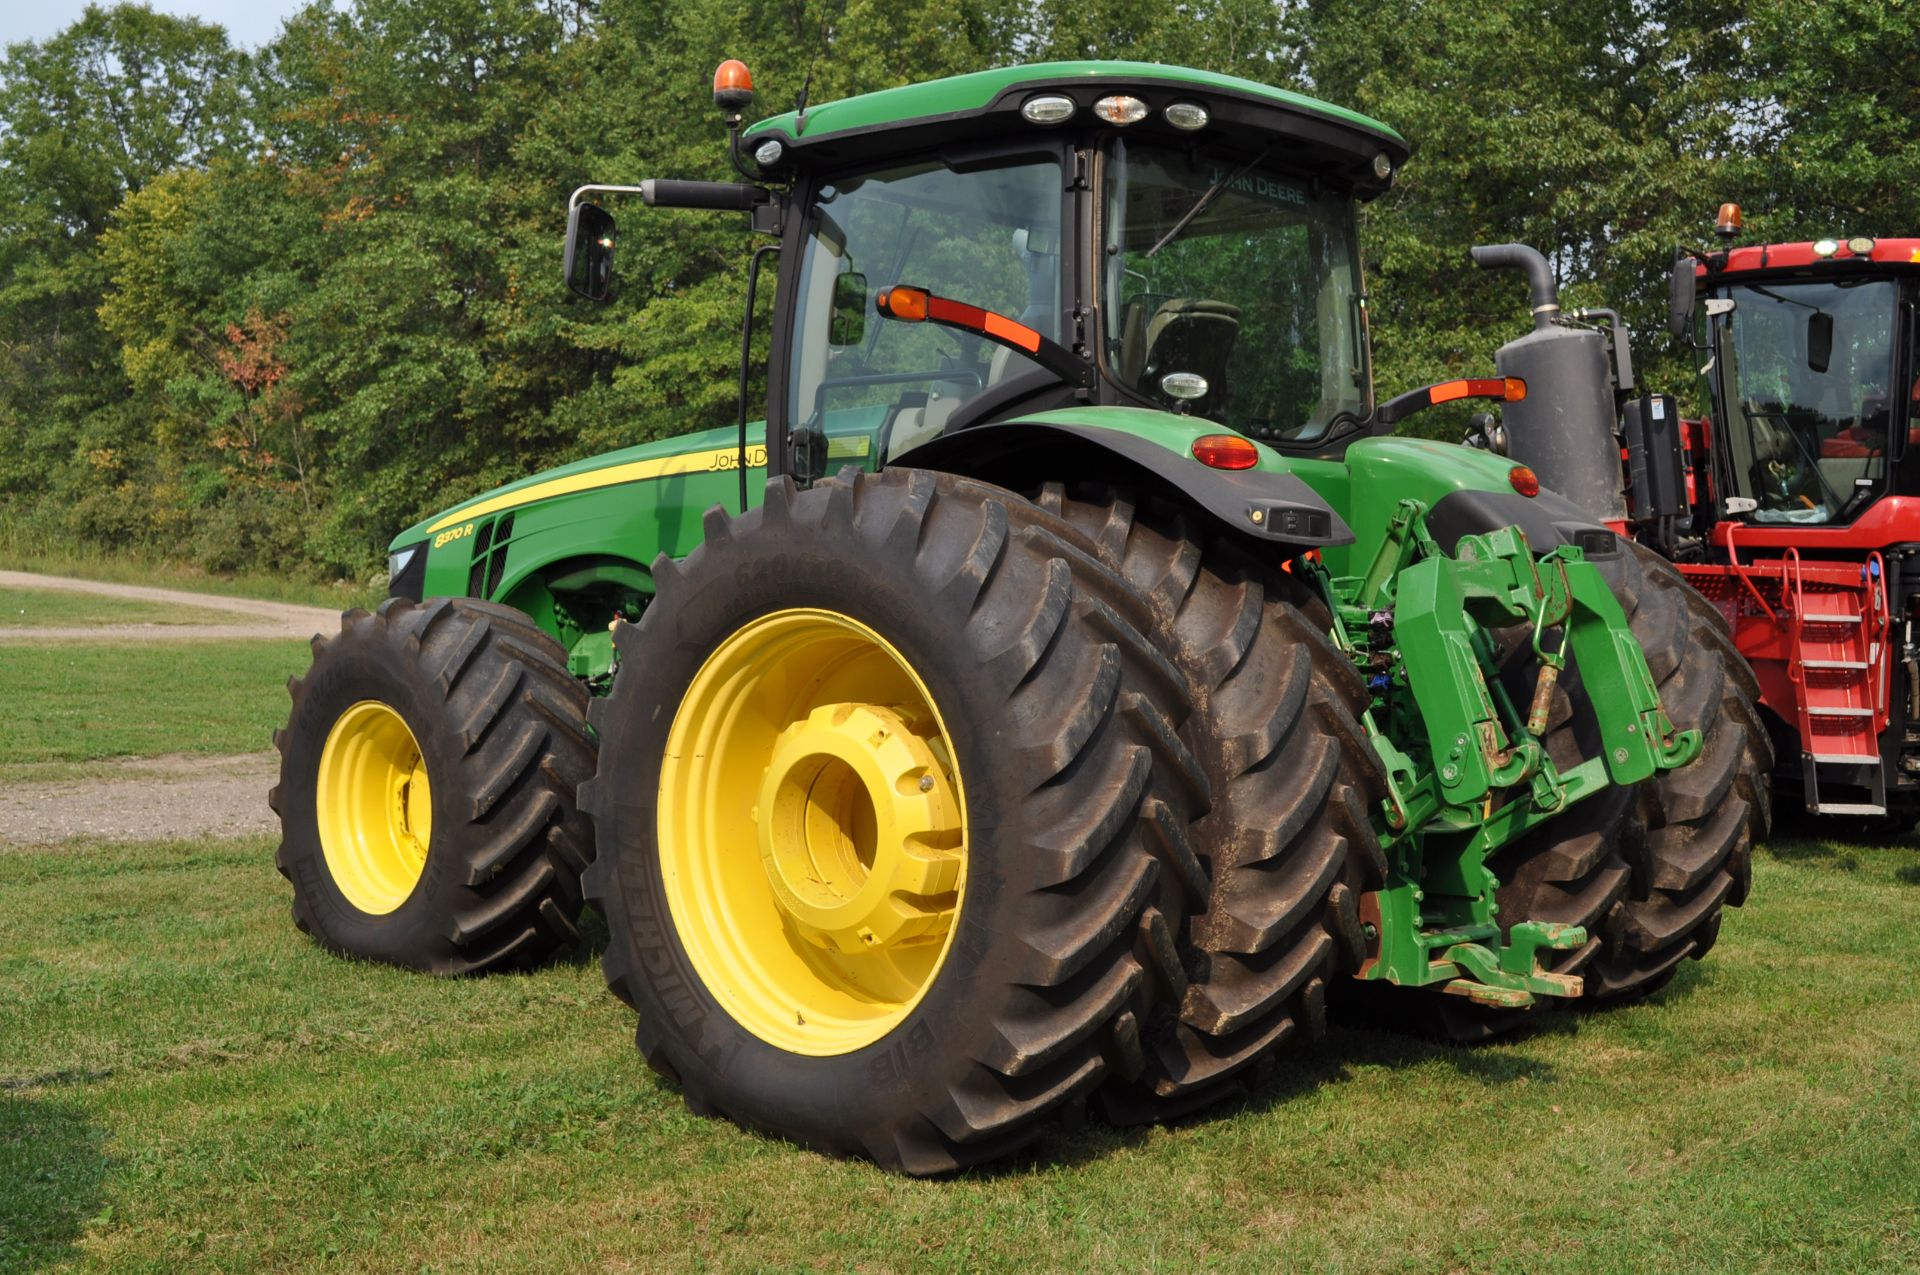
{"type": "Point", "coordinates": [1836, 115]}
{"type": "Point", "coordinates": [1596, 133]}
{"type": "Point", "coordinates": [87, 119]}
{"type": "Point", "coordinates": [267, 310]}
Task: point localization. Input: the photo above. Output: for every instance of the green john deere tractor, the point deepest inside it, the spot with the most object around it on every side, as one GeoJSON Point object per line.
{"type": "Point", "coordinates": [1068, 690]}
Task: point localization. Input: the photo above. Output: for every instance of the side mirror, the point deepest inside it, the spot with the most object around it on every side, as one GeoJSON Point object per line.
{"type": "Point", "coordinates": [1819, 340]}
{"type": "Point", "coordinates": [1680, 307]}
{"type": "Point", "coordinates": [848, 323]}
{"type": "Point", "coordinates": [589, 259]}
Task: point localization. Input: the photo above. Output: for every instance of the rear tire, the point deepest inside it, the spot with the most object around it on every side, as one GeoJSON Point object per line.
{"type": "Point", "coordinates": [1061, 721]}
{"type": "Point", "coordinates": [477, 700]}
{"type": "Point", "coordinates": [1696, 827]}
{"type": "Point", "coordinates": [1649, 870]}
{"type": "Point", "coordinates": [1288, 845]}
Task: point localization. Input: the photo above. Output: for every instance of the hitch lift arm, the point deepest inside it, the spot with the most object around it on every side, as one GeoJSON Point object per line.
{"type": "Point", "coordinates": [1473, 774]}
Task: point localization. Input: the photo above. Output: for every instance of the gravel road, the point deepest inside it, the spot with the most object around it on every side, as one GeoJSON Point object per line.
{"type": "Point", "coordinates": [252, 617]}
{"type": "Point", "coordinates": [149, 799]}
{"type": "Point", "coordinates": [154, 798]}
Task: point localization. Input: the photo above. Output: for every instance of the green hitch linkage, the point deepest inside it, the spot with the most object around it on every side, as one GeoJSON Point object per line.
{"type": "Point", "coordinates": [1435, 921]}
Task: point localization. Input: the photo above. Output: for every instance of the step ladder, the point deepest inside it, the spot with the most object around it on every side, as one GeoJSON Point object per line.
{"type": "Point", "coordinates": [1838, 629]}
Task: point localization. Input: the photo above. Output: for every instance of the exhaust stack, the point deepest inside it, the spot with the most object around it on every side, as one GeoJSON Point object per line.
{"type": "Point", "coordinates": [1566, 428]}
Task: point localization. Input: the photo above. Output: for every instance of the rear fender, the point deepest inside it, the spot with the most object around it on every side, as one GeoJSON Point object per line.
{"type": "Point", "coordinates": [1274, 509]}
{"type": "Point", "coordinates": [1549, 520]}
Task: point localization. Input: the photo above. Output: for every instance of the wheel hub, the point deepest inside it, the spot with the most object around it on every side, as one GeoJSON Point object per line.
{"type": "Point", "coordinates": [374, 806]}
{"type": "Point", "coordinates": [812, 831]}
{"type": "Point", "coordinates": [859, 831]}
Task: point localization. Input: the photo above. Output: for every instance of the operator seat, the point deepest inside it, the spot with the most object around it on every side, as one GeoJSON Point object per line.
{"type": "Point", "coordinates": [1784, 474]}
{"type": "Point", "coordinates": [1770, 438]}
{"type": "Point", "coordinates": [1181, 334]}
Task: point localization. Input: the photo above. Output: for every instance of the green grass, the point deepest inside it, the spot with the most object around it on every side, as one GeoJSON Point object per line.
{"type": "Point", "coordinates": [59, 608]}
{"type": "Point", "coordinates": [186, 1082]}
{"type": "Point", "coordinates": [74, 703]}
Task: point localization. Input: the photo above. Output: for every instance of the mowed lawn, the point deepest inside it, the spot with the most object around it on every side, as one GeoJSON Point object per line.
{"type": "Point", "coordinates": [60, 608]}
{"type": "Point", "coordinates": [68, 702]}
{"type": "Point", "coordinates": [187, 1083]}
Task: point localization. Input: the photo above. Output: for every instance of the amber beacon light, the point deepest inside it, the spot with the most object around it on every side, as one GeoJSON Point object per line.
{"type": "Point", "coordinates": [732, 86]}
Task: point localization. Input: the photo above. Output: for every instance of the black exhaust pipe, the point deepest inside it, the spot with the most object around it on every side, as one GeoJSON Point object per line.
{"type": "Point", "coordinates": [1566, 428]}
{"type": "Point", "coordinates": [1518, 256]}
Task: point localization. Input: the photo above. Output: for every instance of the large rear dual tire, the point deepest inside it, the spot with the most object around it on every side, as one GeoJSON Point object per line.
{"type": "Point", "coordinates": [1648, 871]}
{"type": "Point", "coordinates": [1022, 664]}
{"type": "Point", "coordinates": [1096, 674]}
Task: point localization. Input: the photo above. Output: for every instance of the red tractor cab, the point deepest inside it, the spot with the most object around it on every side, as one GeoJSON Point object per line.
{"type": "Point", "coordinates": [1802, 522]}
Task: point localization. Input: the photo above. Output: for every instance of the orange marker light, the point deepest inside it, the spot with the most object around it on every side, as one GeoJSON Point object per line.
{"type": "Point", "coordinates": [1225, 451]}
{"type": "Point", "coordinates": [1511, 388]}
{"type": "Point", "coordinates": [732, 86]}
{"type": "Point", "coordinates": [1524, 480]}
{"type": "Point", "coordinates": [998, 325]}
{"type": "Point", "coordinates": [909, 305]}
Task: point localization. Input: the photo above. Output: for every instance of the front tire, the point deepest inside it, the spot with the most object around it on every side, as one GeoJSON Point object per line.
{"type": "Point", "coordinates": [426, 793]}
{"type": "Point", "coordinates": [905, 650]}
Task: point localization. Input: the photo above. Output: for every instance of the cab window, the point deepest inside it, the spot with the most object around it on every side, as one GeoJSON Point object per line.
{"type": "Point", "coordinates": [987, 234]}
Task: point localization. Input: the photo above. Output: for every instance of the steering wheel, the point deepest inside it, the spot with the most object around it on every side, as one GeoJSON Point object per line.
{"type": "Point", "coordinates": [1792, 481]}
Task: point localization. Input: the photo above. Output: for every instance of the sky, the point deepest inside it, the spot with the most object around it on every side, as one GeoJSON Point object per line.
{"type": "Point", "coordinates": [248, 22]}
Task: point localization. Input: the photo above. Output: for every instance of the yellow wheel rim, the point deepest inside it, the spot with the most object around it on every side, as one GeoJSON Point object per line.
{"type": "Point", "coordinates": [813, 831]}
{"type": "Point", "coordinates": [375, 807]}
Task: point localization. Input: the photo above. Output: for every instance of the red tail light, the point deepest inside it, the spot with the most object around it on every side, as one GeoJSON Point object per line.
{"type": "Point", "coordinates": [1225, 451]}
{"type": "Point", "coordinates": [1524, 480]}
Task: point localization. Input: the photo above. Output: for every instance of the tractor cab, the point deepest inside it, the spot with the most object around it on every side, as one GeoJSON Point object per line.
{"type": "Point", "coordinates": [1810, 374]}
{"type": "Point", "coordinates": [1802, 519]}
{"type": "Point", "coordinates": [1203, 264]}
{"type": "Point", "coordinates": [1005, 243]}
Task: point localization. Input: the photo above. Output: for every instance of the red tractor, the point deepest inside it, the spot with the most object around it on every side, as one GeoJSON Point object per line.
{"type": "Point", "coordinates": [1792, 502]}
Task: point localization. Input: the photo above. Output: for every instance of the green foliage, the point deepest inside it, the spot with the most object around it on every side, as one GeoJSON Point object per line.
{"type": "Point", "coordinates": [257, 312]}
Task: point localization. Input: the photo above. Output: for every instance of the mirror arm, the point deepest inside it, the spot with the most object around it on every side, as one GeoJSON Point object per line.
{"type": "Point", "coordinates": [578, 194]}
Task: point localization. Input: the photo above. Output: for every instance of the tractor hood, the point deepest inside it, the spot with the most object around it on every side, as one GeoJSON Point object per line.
{"type": "Point", "coordinates": [711, 451]}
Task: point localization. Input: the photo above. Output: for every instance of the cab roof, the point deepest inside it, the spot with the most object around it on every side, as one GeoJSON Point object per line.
{"type": "Point", "coordinates": [1838, 258]}
{"type": "Point", "coordinates": [986, 105]}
